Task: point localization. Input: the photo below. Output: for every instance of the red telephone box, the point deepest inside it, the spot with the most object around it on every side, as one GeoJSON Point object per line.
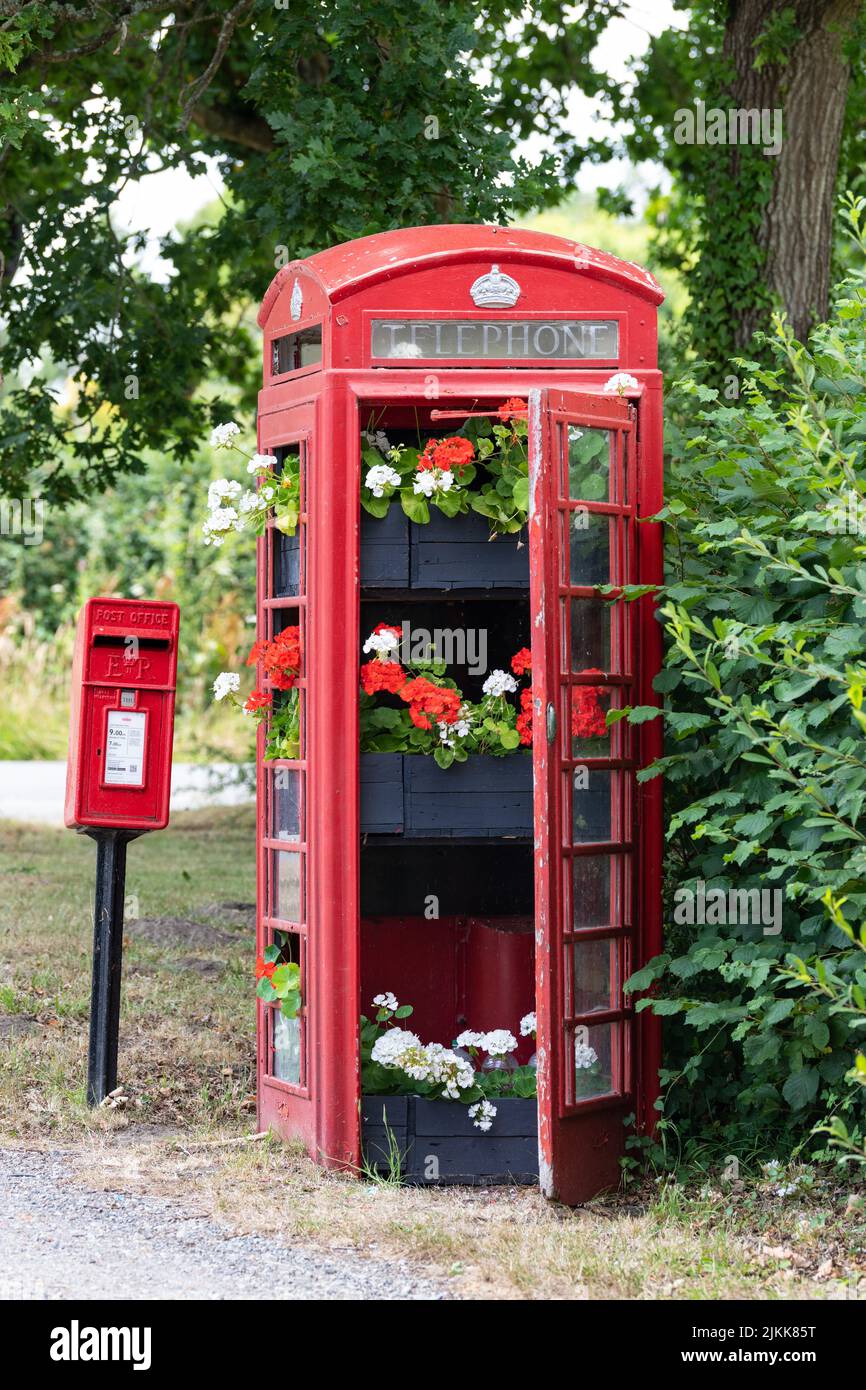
{"type": "Point", "coordinates": [121, 727]}
{"type": "Point", "coordinates": [393, 332]}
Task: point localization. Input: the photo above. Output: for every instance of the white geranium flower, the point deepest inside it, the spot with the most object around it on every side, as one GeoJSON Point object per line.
{"type": "Point", "coordinates": [223, 435]}
{"type": "Point", "coordinates": [262, 463]}
{"type": "Point", "coordinates": [499, 1042]}
{"type": "Point", "coordinates": [483, 1113]}
{"type": "Point", "coordinates": [528, 1025]}
{"type": "Point", "coordinates": [252, 501]}
{"type": "Point", "coordinates": [392, 1044]}
{"type": "Point", "coordinates": [469, 1039]}
{"type": "Point", "coordinates": [384, 644]}
{"type": "Point", "coordinates": [448, 1070]}
{"type": "Point", "coordinates": [430, 480]}
{"type": "Point", "coordinates": [386, 1001]}
{"type": "Point", "coordinates": [499, 683]}
{"type": "Point", "coordinates": [380, 477]}
{"type": "Point", "coordinates": [226, 683]}
{"type": "Point", "coordinates": [222, 519]}
{"type": "Point", "coordinates": [584, 1056]}
{"type": "Point", "coordinates": [222, 489]}
{"type": "Point", "coordinates": [414, 1060]}
{"type": "Point", "coordinates": [621, 381]}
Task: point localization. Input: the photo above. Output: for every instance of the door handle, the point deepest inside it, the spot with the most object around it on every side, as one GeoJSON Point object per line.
{"type": "Point", "coordinates": [551, 723]}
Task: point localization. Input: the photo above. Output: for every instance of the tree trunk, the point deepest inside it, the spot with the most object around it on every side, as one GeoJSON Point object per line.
{"type": "Point", "coordinates": [810, 89]}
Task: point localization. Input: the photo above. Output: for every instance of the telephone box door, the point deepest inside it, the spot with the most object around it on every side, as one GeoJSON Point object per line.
{"type": "Point", "coordinates": [286, 900]}
{"type": "Point", "coordinates": [582, 535]}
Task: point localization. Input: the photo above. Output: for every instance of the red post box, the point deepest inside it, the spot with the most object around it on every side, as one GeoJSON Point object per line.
{"type": "Point", "coordinates": [121, 727]}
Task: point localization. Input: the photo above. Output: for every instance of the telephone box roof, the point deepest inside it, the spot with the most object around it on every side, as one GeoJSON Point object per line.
{"type": "Point", "coordinates": [351, 265]}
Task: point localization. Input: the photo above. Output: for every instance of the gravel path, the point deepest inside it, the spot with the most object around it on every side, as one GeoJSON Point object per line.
{"type": "Point", "coordinates": [60, 1241]}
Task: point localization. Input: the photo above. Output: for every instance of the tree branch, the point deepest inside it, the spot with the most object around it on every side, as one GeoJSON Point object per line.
{"type": "Point", "coordinates": [238, 127]}
{"type": "Point", "coordinates": [197, 88]}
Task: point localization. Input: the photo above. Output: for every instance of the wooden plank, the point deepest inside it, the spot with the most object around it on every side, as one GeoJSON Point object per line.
{"type": "Point", "coordinates": [385, 550]}
{"type": "Point", "coordinates": [482, 797]}
{"type": "Point", "coordinates": [437, 1159]}
{"type": "Point", "coordinates": [457, 553]}
{"type": "Point", "coordinates": [515, 1118]}
{"type": "Point", "coordinates": [382, 793]}
{"type": "Point", "coordinates": [439, 1142]}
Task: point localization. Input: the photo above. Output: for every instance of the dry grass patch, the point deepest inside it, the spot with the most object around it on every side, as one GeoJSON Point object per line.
{"type": "Point", "coordinates": [497, 1243]}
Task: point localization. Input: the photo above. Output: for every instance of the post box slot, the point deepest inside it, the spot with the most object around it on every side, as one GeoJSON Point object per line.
{"type": "Point", "coordinates": [151, 644]}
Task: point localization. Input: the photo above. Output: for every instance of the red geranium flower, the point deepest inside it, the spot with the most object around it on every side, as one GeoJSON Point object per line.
{"type": "Point", "coordinates": [455, 452]}
{"type": "Point", "coordinates": [257, 653]}
{"type": "Point", "coordinates": [587, 715]}
{"type": "Point", "coordinates": [513, 406]}
{"type": "Point", "coordinates": [260, 699]}
{"type": "Point", "coordinates": [424, 698]}
{"type": "Point", "coordinates": [524, 719]}
{"type": "Point", "coordinates": [388, 627]}
{"type": "Point", "coordinates": [281, 658]}
{"type": "Point", "coordinates": [426, 461]}
{"type": "Point", "coordinates": [382, 675]}
{"type": "Point", "coordinates": [264, 969]}
{"type": "Point", "coordinates": [521, 662]}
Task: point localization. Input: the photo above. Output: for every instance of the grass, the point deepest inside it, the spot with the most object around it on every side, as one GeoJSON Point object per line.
{"type": "Point", "coordinates": [184, 1127]}
{"type": "Point", "coordinates": [205, 731]}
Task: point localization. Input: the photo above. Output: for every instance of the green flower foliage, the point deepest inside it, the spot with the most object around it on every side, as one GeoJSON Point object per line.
{"type": "Point", "coordinates": [766, 768]}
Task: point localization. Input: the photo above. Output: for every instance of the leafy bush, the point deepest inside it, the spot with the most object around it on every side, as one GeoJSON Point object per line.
{"type": "Point", "coordinates": [766, 771]}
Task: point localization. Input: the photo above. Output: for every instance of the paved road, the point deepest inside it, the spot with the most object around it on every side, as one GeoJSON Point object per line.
{"type": "Point", "coordinates": [34, 791]}
{"type": "Point", "coordinates": [59, 1241]}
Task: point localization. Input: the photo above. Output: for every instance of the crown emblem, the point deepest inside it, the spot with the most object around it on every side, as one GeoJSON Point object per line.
{"type": "Point", "coordinates": [495, 290]}
{"type": "Point", "coordinates": [296, 303]}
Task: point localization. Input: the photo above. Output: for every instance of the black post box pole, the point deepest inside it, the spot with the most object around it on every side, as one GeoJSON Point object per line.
{"type": "Point", "coordinates": [107, 960]}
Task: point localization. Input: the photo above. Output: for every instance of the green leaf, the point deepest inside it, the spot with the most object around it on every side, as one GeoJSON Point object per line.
{"type": "Point", "coordinates": [376, 506]}
{"type": "Point", "coordinates": [415, 506]}
{"type": "Point", "coordinates": [801, 1088]}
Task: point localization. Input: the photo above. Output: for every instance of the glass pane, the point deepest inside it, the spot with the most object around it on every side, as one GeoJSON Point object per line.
{"type": "Point", "coordinates": [589, 475]}
{"type": "Point", "coordinates": [562, 459]}
{"type": "Point", "coordinates": [594, 967]}
{"type": "Point", "coordinates": [590, 736]}
{"type": "Point", "coordinates": [590, 635]}
{"type": "Point", "coordinates": [287, 563]}
{"type": "Point", "coordinates": [596, 1051]}
{"type": "Point", "coordinates": [287, 887]}
{"type": "Point", "coordinates": [591, 891]}
{"type": "Point", "coordinates": [286, 804]}
{"type": "Point", "coordinates": [591, 536]}
{"type": "Point", "coordinates": [287, 1047]}
{"type": "Point", "coordinates": [591, 794]}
